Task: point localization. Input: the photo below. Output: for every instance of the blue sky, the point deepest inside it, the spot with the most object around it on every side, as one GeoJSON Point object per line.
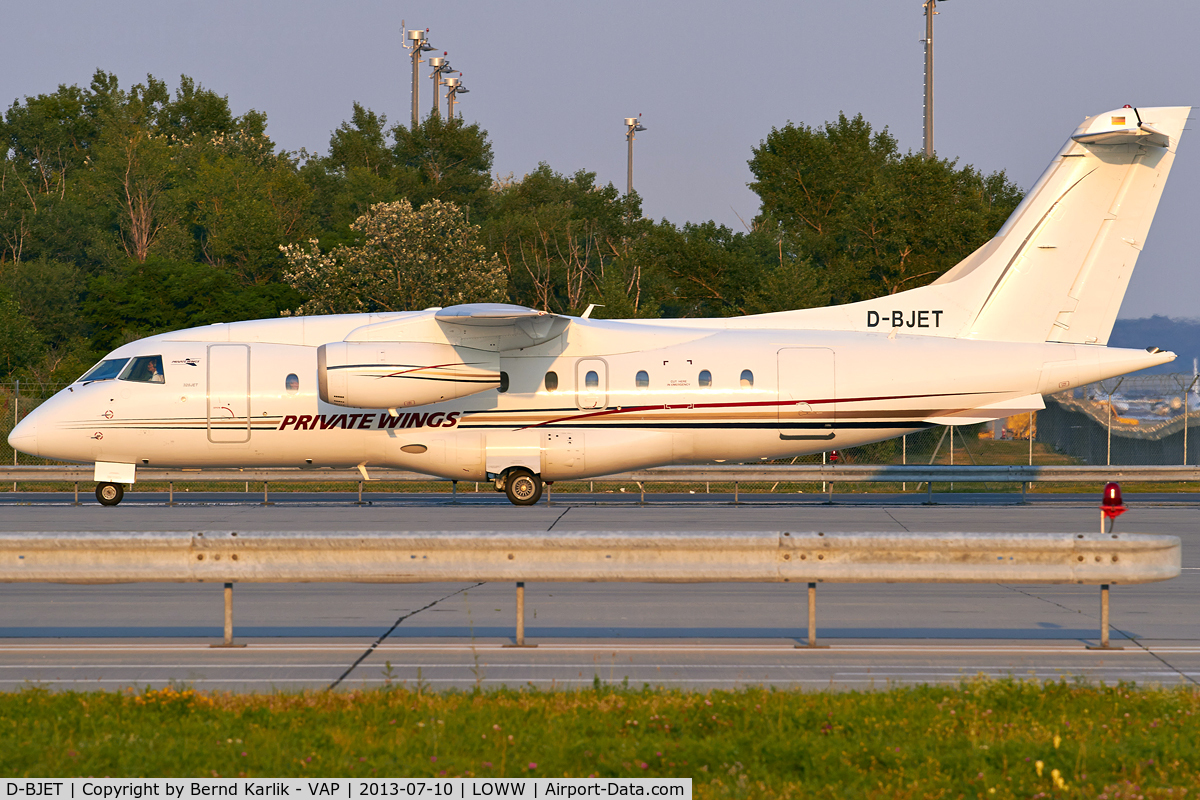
{"type": "Point", "coordinates": [552, 81]}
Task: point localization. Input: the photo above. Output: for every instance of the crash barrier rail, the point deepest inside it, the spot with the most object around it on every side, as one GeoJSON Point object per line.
{"type": "Point", "coordinates": [230, 557]}
{"type": "Point", "coordinates": [736, 474]}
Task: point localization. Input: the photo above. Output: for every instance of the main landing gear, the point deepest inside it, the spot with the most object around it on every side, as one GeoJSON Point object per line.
{"type": "Point", "coordinates": [522, 487]}
{"type": "Point", "coordinates": [109, 494]}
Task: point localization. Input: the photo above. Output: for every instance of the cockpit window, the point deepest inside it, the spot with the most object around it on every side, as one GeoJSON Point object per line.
{"type": "Point", "coordinates": [105, 370]}
{"type": "Point", "coordinates": [144, 369]}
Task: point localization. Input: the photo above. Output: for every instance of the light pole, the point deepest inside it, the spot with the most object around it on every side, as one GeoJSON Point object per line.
{"type": "Point", "coordinates": [454, 86]}
{"type": "Point", "coordinates": [930, 10]}
{"type": "Point", "coordinates": [440, 67]}
{"type": "Point", "coordinates": [632, 126]}
{"type": "Point", "coordinates": [418, 44]}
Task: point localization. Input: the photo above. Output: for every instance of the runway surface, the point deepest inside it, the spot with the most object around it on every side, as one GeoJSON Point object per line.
{"type": "Point", "coordinates": [693, 636]}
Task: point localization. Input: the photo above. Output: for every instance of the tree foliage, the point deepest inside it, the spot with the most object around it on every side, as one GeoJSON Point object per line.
{"type": "Point", "coordinates": [127, 210]}
{"type": "Point", "coordinates": [872, 219]}
{"type": "Point", "coordinates": [409, 259]}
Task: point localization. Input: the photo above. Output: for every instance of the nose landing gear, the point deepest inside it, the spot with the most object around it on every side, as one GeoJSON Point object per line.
{"type": "Point", "coordinates": [109, 494]}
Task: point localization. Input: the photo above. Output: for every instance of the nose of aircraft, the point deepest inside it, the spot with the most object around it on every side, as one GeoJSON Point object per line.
{"type": "Point", "coordinates": [24, 436]}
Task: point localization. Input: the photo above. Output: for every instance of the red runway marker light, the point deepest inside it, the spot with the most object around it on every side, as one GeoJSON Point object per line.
{"type": "Point", "coordinates": [1112, 506]}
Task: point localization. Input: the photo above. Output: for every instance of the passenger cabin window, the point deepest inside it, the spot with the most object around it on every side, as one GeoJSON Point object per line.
{"type": "Point", "coordinates": [747, 379]}
{"type": "Point", "coordinates": [105, 370]}
{"type": "Point", "coordinates": [144, 369]}
{"type": "Point", "coordinates": [642, 380]}
{"type": "Point", "coordinates": [591, 380]}
{"type": "Point", "coordinates": [705, 379]}
{"type": "Point", "coordinates": [551, 381]}
{"type": "Point", "coordinates": [291, 383]}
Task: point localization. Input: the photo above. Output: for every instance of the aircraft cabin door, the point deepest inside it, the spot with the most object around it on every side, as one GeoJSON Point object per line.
{"type": "Point", "coordinates": [591, 383]}
{"type": "Point", "coordinates": [807, 393]}
{"type": "Point", "coordinates": [228, 393]}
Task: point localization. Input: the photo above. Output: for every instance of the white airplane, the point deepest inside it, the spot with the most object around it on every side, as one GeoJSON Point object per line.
{"type": "Point", "coordinates": [503, 393]}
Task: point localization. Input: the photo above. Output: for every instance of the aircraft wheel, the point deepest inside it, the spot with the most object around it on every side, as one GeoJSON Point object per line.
{"type": "Point", "coordinates": [109, 494]}
{"type": "Point", "coordinates": [523, 488]}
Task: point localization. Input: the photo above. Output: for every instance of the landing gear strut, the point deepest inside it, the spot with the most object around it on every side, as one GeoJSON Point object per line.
{"type": "Point", "coordinates": [522, 487]}
{"type": "Point", "coordinates": [109, 494]}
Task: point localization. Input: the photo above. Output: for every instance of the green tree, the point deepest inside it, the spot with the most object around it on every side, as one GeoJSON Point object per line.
{"type": "Point", "coordinates": [871, 220]}
{"type": "Point", "coordinates": [159, 295]}
{"type": "Point", "coordinates": [19, 340]}
{"type": "Point", "coordinates": [445, 160]}
{"type": "Point", "coordinates": [49, 294]}
{"type": "Point", "coordinates": [409, 259]}
{"type": "Point", "coordinates": [240, 200]}
{"type": "Point", "coordinates": [566, 242]}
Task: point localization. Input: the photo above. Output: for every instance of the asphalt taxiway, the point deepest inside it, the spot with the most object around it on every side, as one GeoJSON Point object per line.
{"type": "Point", "coordinates": [698, 635]}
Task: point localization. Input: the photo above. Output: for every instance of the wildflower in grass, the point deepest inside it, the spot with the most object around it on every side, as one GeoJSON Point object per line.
{"type": "Point", "coordinates": [1038, 765]}
{"type": "Point", "coordinates": [644, 765]}
{"type": "Point", "coordinates": [487, 764]}
{"type": "Point", "coordinates": [433, 759]}
{"type": "Point", "coordinates": [532, 765]}
{"type": "Point", "coordinates": [1057, 741]}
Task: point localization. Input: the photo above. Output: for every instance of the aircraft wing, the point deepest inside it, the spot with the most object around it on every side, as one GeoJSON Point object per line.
{"type": "Point", "coordinates": [500, 326]}
{"type": "Point", "coordinates": [484, 326]}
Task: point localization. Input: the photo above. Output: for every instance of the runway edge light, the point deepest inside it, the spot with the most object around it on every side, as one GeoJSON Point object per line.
{"type": "Point", "coordinates": [1111, 504]}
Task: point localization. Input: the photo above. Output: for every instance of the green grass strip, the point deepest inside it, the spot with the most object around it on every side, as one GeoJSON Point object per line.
{"type": "Point", "coordinates": [981, 739]}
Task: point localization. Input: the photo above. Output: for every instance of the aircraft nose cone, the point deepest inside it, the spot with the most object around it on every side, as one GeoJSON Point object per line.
{"type": "Point", "coordinates": [24, 437]}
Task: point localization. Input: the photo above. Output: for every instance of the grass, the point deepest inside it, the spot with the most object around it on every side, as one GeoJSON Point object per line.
{"type": "Point", "coordinates": [980, 739]}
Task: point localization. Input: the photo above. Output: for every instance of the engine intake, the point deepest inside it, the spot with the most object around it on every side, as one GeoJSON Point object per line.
{"type": "Point", "coordinates": [402, 374]}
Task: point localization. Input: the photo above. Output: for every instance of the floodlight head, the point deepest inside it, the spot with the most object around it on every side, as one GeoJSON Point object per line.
{"type": "Point", "coordinates": [460, 89]}
{"type": "Point", "coordinates": [426, 47]}
{"type": "Point", "coordinates": [639, 127]}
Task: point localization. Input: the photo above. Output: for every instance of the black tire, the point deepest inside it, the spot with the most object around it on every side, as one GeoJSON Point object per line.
{"type": "Point", "coordinates": [109, 494]}
{"type": "Point", "coordinates": [522, 487]}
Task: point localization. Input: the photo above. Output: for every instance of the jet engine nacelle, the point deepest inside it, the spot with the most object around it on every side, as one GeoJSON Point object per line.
{"type": "Point", "coordinates": [402, 374]}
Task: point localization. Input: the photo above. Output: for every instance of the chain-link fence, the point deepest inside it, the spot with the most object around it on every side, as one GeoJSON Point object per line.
{"type": "Point", "coordinates": [20, 398]}
{"type": "Point", "coordinates": [1145, 420]}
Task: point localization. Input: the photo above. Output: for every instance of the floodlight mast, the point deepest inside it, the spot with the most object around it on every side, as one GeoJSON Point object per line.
{"type": "Point", "coordinates": [930, 11]}
{"type": "Point", "coordinates": [417, 42]}
{"type": "Point", "coordinates": [454, 87]}
{"type": "Point", "coordinates": [632, 126]}
{"type": "Point", "coordinates": [440, 67]}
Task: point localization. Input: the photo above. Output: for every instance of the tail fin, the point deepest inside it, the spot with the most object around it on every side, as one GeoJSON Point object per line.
{"type": "Point", "coordinates": [1058, 269]}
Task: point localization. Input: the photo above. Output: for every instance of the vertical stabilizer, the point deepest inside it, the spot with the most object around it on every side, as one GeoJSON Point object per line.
{"type": "Point", "coordinates": [1070, 248]}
